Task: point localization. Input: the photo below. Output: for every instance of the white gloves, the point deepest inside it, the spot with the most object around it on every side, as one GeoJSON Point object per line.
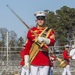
{"type": "Point", "coordinates": [26, 58]}
{"type": "Point", "coordinates": [51, 58]}
{"type": "Point", "coordinates": [46, 40]}
{"type": "Point", "coordinates": [42, 39]}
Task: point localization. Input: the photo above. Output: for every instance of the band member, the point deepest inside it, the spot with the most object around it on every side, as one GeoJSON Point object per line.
{"type": "Point", "coordinates": [67, 58]}
{"type": "Point", "coordinates": [25, 70]}
{"type": "Point", "coordinates": [52, 59]}
{"type": "Point", "coordinates": [40, 63]}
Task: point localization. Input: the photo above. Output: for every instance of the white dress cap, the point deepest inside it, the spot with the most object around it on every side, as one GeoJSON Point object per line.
{"type": "Point", "coordinates": [40, 13]}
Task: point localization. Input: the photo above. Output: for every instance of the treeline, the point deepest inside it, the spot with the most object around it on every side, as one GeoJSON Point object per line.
{"type": "Point", "coordinates": [63, 22]}
{"type": "Point", "coordinates": [14, 43]}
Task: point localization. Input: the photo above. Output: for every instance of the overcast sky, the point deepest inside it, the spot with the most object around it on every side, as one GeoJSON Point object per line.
{"type": "Point", "coordinates": [26, 9]}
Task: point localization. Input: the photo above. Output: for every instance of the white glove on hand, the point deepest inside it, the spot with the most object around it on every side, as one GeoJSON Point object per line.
{"type": "Point", "coordinates": [46, 40]}
{"type": "Point", "coordinates": [26, 58]}
{"type": "Point", "coordinates": [26, 65]}
{"type": "Point", "coordinates": [40, 39]}
{"type": "Point", "coordinates": [51, 58]}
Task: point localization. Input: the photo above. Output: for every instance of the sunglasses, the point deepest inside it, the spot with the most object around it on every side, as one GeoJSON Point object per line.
{"type": "Point", "coordinates": [40, 18]}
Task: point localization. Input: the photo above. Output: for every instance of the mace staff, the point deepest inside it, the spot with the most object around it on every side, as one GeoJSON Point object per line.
{"type": "Point", "coordinates": [21, 20]}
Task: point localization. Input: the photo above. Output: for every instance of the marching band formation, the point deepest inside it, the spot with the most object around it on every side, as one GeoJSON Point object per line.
{"type": "Point", "coordinates": [36, 59]}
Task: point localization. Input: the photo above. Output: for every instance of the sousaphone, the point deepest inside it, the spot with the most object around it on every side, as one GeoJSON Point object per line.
{"type": "Point", "coordinates": [72, 53]}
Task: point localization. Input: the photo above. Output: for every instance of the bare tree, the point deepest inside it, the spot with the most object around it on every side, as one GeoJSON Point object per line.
{"type": "Point", "coordinates": [12, 40]}
{"type": "Point", "coordinates": [3, 32]}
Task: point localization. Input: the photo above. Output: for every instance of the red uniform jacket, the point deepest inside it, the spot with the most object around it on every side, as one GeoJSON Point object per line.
{"type": "Point", "coordinates": [24, 52]}
{"type": "Point", "coordinates": [42, 58]}
{"type": "Point", "coordinates": [66, 56]}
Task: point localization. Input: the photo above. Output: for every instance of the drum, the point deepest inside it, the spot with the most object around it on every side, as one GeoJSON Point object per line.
{"type": "Point", "coordinates": [72, 53]}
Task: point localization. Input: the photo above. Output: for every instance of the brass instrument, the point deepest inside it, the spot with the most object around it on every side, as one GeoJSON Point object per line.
{"type": "Point", "coordinates": [36, 45]}
{"type": "Point", "coordinates": [72, 53]}
{"type": "Point", "coordinates": [62, 63]}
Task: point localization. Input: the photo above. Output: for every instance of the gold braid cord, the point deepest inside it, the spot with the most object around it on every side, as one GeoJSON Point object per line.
{"type": "Point", "coordinates": [36, 45]}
